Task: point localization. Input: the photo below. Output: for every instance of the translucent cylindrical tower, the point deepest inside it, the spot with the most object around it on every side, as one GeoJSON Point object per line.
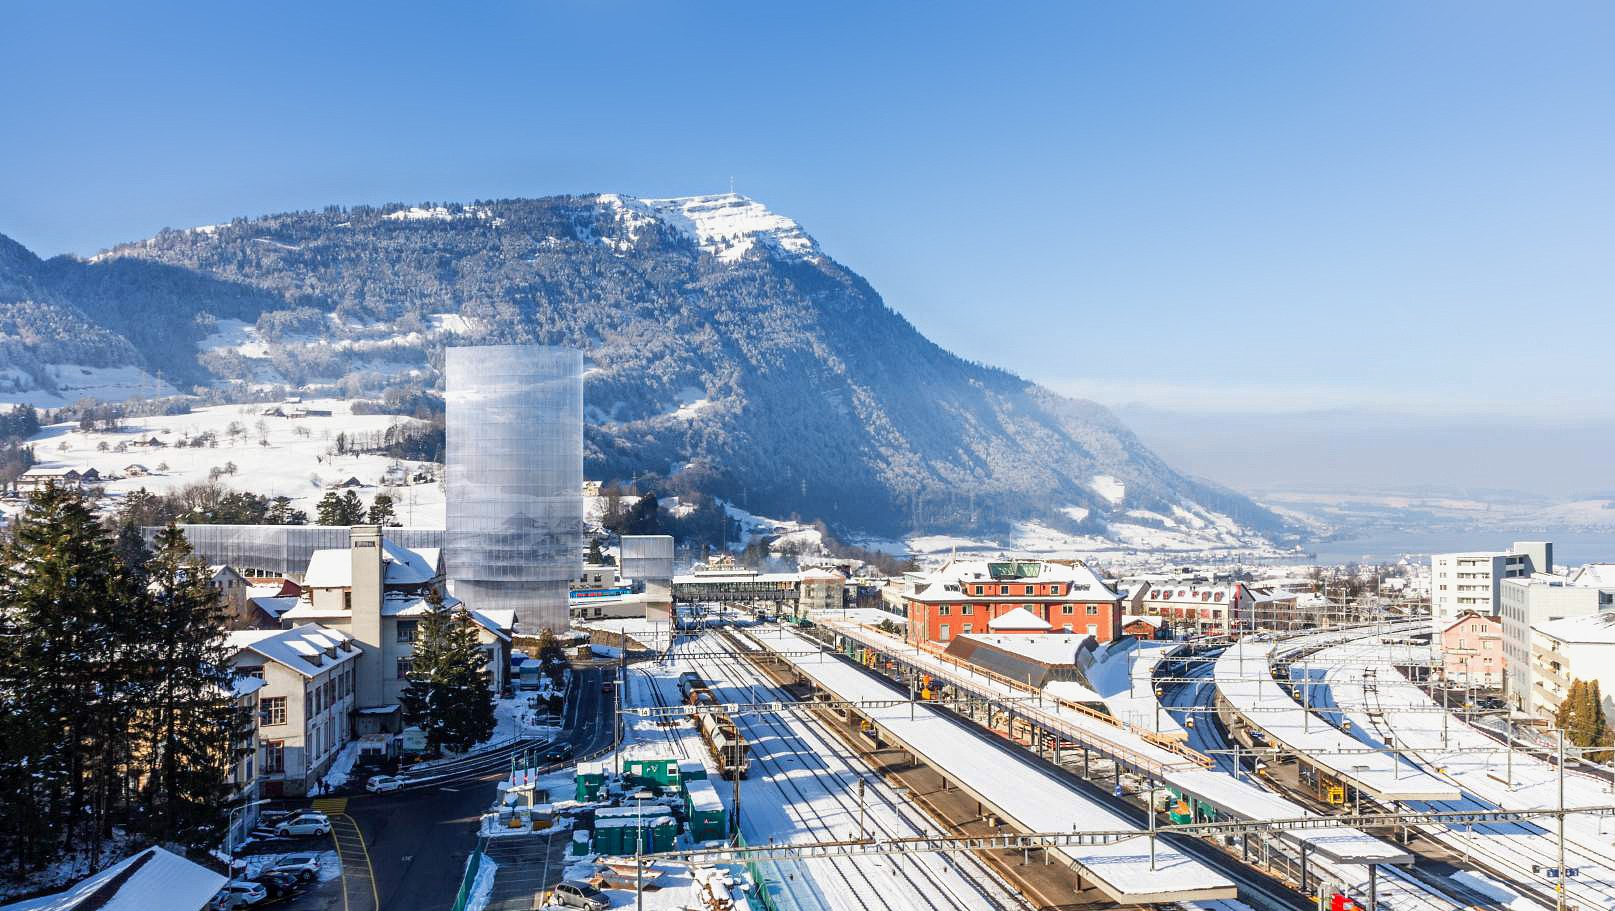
{"type": "Point", "coordinates": [514, 535]}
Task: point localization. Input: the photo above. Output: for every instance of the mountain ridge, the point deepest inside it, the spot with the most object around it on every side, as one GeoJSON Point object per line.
{"type": "Point", "coordinates": [723, 346]}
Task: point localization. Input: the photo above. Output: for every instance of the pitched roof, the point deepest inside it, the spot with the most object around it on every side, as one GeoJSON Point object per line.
{"type": "Point", "coordinates": [309, 649]}
{"type": "Point", "coordinates": [153, 878]}
{"type": "Point", "coordinates": [333, 567]}
{"type": "Point", "coordinates": [1021, 619]}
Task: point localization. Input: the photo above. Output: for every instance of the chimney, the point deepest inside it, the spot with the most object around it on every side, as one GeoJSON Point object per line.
{"type": "Point", "coordinates": [366, 553]}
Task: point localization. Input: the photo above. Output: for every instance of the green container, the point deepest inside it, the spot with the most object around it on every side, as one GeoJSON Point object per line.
{"type": "Point", "coordinates": [661, 773]}
{"type": "Point", "coordinates": [691, 770]}
{"type": "Point", "coordinates": [708, 821]}
{"type": "Point", "coordinates": [589, 785]}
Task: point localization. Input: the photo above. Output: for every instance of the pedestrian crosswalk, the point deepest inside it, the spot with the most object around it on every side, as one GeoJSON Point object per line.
{"type": "Point", "coordinates": [331, 805]}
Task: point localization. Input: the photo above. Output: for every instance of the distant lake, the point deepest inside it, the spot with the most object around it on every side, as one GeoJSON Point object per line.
{"type": "Point", "coordinates": [1570, 548]}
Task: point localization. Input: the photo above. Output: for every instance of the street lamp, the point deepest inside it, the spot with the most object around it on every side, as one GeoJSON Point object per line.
{"type": "Point", "coordinates": [230, 828]}
{"type": "Point", "coordinates": [639, 848]}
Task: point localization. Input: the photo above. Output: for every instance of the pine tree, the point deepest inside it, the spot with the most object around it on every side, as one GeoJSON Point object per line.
{"type": "Point", "coordinates": [189, 724]}
{"type": "Point", "coordinates": [69, 604]}
{"type": "Point", "coordinates": [447, 696]}
{"type": "Point", "coordinates": [330, 510]}
{"type": "Point", "coordinates": [352, 509]}
{"type": "Point", "coordinates": [382, 511]}
{"type": "Point", "coordinates": [1581, 715]}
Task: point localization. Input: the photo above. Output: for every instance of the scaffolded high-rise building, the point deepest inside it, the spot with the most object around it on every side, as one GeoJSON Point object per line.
{"type": "Point", "coordinates": [514, 535]}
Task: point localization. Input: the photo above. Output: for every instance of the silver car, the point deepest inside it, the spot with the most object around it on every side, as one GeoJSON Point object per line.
{"type": "Point", "coordinates": [572, 894]}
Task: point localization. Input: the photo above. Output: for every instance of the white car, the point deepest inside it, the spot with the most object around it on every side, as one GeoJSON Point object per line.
{"type": "Point", "coordinates": [380, 784]}
{"type": "Point", "coordinates": [240, 895]}
{"type": "Point", "coordinates": [304, 824]}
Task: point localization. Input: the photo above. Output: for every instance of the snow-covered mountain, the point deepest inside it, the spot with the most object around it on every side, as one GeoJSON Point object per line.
{"type": "Point", "coordinates": [724, 346]}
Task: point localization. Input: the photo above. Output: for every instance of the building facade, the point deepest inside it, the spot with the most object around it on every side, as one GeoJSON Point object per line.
{"type": "Point", "coordinates": [375, 592]}
{"type": "Point", "coordinates": [1472, 650]}
{"type": "Point", "coordinates": [1198, 608]}
{"type": "Point", "coordinates": [306, 704]}
{"type": "Point", "coordinates": [1526, 602]}
{"type": "Point", "coordinates": [966, 597]}
{"type": "Point", "coordinates": [514, 439]}
{"type": "Point", "coordinates": [1473, 581]}
{"type": "Point", "coordinates": [1574, 648]}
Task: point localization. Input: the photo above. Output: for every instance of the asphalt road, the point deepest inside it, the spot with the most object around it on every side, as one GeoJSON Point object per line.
{"type": "Point", "coordinates": [419, 838]}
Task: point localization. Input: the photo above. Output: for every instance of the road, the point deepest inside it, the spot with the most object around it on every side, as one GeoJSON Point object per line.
{"type": "Point", "coordinates": [419, 839]}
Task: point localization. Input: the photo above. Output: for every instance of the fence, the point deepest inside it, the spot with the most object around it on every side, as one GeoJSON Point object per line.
{"type": "Point", "coordinates": [472, 865]}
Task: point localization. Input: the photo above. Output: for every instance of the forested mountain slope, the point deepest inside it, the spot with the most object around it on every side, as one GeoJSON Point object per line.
{"type": "Point", "coordinates": [722, 345]}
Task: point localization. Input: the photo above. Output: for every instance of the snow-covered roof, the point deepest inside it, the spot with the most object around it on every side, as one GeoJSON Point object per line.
{"type": "Point", "coordinates": [309, 649]}
{"type": "Point", "coordinates": [1054, 648]}
{"type": "Point", "coordinates": [242, 686]}
{"type": "Point", "coordinates": [333, 567]}
{"type": "Point", "coordinates": [1590, 628]}
{"type": "Point", "coordinates": [1018, 619]}
{"type": "Point", "coordinates": [153, 878]}
{"type": "Point", "coordinates": [399, 605]}
{"type": "Point", "coordinates": [1141, 618]}
{"type": "Point", "coordinates": [275, 607]}
{"type": "Point", "coordinates": [1595, 575]}
{"type": "Point", "coordinates": [1188, 593]}
{"type": "Point", "coordinates": [950, 582]}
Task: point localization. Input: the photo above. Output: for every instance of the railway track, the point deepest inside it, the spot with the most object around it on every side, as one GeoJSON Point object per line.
{"type": "Point", "coordinates": [823, 754]}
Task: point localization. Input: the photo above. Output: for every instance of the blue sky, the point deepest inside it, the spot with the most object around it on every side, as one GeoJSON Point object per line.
{"type": "Point", "coordinates": [1262, 207]}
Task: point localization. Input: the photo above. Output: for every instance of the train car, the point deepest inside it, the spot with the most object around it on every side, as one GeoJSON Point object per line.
{"type": "Point", "coordinates": [691, 686]}
{"type": "Point", "coordinates": [727, 747]}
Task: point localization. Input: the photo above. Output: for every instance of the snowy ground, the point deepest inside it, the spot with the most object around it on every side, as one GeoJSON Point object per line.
{"type": "Point", "coordinates": [298, 462]}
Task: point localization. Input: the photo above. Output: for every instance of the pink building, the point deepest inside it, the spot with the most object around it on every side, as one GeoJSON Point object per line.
{"type": "Point", "coordinates": [1472, 650]}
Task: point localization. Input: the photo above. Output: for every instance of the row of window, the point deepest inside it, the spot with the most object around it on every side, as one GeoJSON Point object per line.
{"type": "Point", "coordinates": [944, 610]}
{"type": "Point", "coordinates": [1028, 590]}
{"type": "Point", "coordinates": [945, 631]}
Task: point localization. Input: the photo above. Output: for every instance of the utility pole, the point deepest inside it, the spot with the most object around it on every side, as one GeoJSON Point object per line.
{"type": "Point", "coordinates": [861, 829]}
{"type": "Point", "coordinates": [1559, 887]}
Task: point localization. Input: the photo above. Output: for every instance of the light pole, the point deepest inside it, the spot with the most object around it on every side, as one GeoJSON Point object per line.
{"type": "Point", "coordinates": [1559, 887]}
{"type": "Point", "coordinates": [639, 849]}
{"type": "Point", "coordinates": [230, 829]}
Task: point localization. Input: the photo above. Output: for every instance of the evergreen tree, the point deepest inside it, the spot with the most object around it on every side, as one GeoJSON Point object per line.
{"type": "Point", "coordinates": [382, 511]}
{"type": "Point", "coordinates": [1581, 715]}
{"type": "Point", "coordinates": [189, 726]}
{"type": "Point", "coordinates": [330, 510]}
{"type": "Point", "coordinates": [68, 603]}
{"type": "Point", "coordinates": [353, 511]}
{"type": "Point", "coordinates": [447, 696]}
{"type": "Point", "coordinates": [280, 512]}
{"type": "Point", "coordinates": [596, 555]}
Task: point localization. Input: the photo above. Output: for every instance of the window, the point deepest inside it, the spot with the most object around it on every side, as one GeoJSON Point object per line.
{"type": "Point", "coordinates": [274, 756]}
{"type": "Point", "coordinates": [406, 631]}
{"type": "Point", "coordinates": [1031, 589]}
{"type": "Point", "coordinates": [966, 609]}
{"type": "Point", "coordinates": [347, 600]}
{"type": "Point", "coordinates": [1093, 610]}
{"type": "Point", "coordinates": [272, 710]}
{"type": "Point", "coordinates": [980, 591]}
{"type": "Point", "coordinates": [944, 634]}
{"type": "Point", "coordinates": [1093, 630]}
{"type": "Point", "coordinates": [404, 665]}
{"type": "Point", "coordinates": [1065, 608]}
{"type": "Point", "coordinates": [968, 628]}
{"type": "Point", "coordinates": [253, 671]}
{"type": "Point", "coordinates": [1003, 589]}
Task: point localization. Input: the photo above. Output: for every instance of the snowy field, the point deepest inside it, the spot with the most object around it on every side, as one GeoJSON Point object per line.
{"type": "Point", "coordinates": [299, 460]}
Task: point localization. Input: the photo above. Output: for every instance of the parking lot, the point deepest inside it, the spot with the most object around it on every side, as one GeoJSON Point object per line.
{"type": "Point", "coordinates": [319, 882]}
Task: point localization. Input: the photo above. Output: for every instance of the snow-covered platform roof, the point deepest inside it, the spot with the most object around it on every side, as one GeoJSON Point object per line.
{"type": "Point", "coordinates": [1244, 678]}
{"type": "Point", "coordinates": [1019, 788]}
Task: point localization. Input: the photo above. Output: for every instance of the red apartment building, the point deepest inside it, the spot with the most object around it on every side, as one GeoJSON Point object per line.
{"type": "Point", "coordinates": [964, 597]}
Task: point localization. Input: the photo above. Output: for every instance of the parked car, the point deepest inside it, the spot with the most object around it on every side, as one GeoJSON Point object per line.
{"type": "Point", "coordinates": [558, 754]}
{"type": "Point", "coordinates": [238, 894]}
{"type": "Point", "coordinates": [279, 885]}
{"type": "Point", "coordinates": [571, 894]}
{"type": "Point", "coordinates": [304, 824]}
{"type": "Point", "coordinates": [380, 784]}
{"type": "Point", "coordinates": [305, 867]}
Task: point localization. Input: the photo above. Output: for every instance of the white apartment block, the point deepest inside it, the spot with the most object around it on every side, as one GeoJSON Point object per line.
{"type": "Point", "coordinates": [1531, 601]}
{"type": "Point", "coordinates": [306, 703]}
{"type": "Point", "coordinates": [1574, 648]}
{"type": "Point", "coordinates": [1473, 581]}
